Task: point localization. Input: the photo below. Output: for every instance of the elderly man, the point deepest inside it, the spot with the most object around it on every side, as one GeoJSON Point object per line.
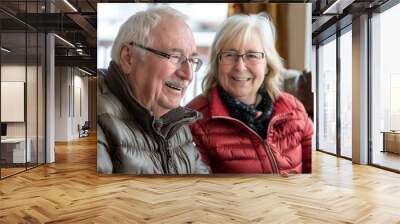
{"type": "Point", "coordinates": [141, 127]}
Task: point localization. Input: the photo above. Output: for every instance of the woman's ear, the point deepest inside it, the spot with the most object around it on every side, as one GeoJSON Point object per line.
{"type": "Point", "coordinates": [126, 60]}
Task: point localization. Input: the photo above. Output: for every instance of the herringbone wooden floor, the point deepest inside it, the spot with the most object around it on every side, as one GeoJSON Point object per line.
{"type": "Point", "coordinates": [70, 191]}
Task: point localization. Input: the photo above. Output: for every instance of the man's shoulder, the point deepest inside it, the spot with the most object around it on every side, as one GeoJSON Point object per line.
{"type": "Point", "coordinates": [101, 72]}
{"type": "Point", "coordinates": [107, 102]}
{"type": "Point", "coordinates": [102, 88]}
{"type": "Point", "coordinates": [101, 84]}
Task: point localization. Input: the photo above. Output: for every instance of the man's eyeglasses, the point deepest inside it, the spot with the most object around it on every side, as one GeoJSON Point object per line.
{"type": "Point", "coordinates": [176, 59]}
{"type": "Point", "coordinates": [249, 58]}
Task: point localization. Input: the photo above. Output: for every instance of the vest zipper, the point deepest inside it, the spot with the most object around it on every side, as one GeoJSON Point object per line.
{"type": "Point", "coordinates": [166, 157]}
{"type": "Point", "coordinates": [275, 168]}
{"type": "Point", "coordinates": [164, 151]}
{"type": "Point", "coordinates": [183, 122]}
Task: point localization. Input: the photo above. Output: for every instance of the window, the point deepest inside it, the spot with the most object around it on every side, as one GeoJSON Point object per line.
{"type": "Point", "coordinates": [327, 97]}
{"type": "Point", "coordinates": [22, 66]}
{"type": "Point", "coordinates": [346, 94]}
{"type": "Point", "coordinates": [385, 85]}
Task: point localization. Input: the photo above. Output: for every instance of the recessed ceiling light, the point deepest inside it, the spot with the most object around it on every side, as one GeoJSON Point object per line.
{"type": "Point", "coordinates": [84, 71]}
{"type": "Point", "coordinates": [337, 7]}
{"type": "Point", "coordinates": [5, 50]}
{"type": "Point", "coordinates": [70, 5]}
{"type": "Point", "coordinates": [64, 40]}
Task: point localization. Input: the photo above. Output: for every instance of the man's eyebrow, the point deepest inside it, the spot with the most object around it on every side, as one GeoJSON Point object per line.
{"type": "Point", "coordinates": [176, 50]}
{"type": "Point", "coordinates": [182, 52]}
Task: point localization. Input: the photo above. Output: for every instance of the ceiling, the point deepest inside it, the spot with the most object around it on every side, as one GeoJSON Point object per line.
{"type": "Point", "coordinates": [330, 15]}
{"type": "Point", "coordinates": [76, 25]}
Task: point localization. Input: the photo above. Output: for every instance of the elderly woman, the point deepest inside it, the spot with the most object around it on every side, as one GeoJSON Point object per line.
{"type": "Point", "coordinates": [248, 124]}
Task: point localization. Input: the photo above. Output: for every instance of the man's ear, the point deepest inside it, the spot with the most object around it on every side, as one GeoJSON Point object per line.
{"type": "Point", "coordinates": [126, 61]}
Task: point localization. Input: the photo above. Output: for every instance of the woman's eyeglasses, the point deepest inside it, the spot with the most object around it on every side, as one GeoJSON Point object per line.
{"type": "Point", "coordinates": [249, 58]}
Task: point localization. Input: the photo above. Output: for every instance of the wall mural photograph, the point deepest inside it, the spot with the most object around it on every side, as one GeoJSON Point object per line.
{"type": "Point", "coordinates": [184, 93]}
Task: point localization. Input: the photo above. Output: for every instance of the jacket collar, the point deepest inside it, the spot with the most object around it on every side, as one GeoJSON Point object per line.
{"type": "Point", "coordinates": [118, 85]}
{"type": "Point", "coordinates": [283, 108]}
{"type": "Point", "coordinates": [217, 106]}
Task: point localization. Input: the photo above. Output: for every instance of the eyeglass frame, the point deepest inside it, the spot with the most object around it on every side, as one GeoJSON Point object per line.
{"type": "Point", "coordinates": [263, 55]}
{"type": "Point", "coordinates": [168, 56]}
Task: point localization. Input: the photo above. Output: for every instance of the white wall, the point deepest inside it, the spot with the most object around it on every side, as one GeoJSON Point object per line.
{"type": "Point", "coordinates": [33, 126]}
{"type": "Point", "coordinates": [61, 103]}
{"type": "Point", "coordinates": [71, 94]}
{"type": "Point", "coordinates": [17, 73]}
{"type": "Point", "coordinates": [14, 73]}
{"type": "Point", "coordinates": [80, 103]}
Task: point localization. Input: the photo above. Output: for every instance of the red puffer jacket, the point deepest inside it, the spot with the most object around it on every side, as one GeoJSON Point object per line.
{"type": "Point", "coordinates": [228, 145]}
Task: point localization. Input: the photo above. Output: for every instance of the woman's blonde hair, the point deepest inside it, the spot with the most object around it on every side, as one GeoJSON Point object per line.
{"type": "Point", "coordinates": [241, 28]}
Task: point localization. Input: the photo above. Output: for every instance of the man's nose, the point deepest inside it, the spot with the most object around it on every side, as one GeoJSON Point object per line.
{"type": "Point", "coordinates": [186, 70]}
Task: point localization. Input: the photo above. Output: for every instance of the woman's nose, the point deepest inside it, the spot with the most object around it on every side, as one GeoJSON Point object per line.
{"type": "Point", "coordinates": [240, 65]}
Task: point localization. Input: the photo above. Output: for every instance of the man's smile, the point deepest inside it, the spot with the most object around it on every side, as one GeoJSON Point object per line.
{"type": "Point", "coordinates": [178, 86]}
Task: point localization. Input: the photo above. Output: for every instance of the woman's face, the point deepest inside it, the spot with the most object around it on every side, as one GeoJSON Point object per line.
{"type": "Point", "coordinates": [240, 77]}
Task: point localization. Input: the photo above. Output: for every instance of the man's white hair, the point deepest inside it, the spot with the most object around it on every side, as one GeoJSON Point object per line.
{"type": "Point", "coordinates": [138, 27]}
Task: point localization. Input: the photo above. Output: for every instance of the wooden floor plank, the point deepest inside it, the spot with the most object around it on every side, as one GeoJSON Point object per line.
{"type": "Point", "coordinates": [70, 191]}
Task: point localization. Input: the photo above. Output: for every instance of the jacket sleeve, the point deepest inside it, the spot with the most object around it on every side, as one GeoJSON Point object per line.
{"type": "Point", "coordinates": [306, 144]}
{"type": "Point", "coordinates": [200, 140]}
{"type": "Point", "coordinates": [104, 163]}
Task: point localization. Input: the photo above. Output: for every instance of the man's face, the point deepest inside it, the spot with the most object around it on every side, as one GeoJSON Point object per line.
{"type": "Point", "coordinates": [156, 82]}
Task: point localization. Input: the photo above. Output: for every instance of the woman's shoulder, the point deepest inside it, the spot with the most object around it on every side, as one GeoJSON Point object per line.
{"type": "Point", "coordinates": [286, 102]}
{"type": "Point", "coordinates": [199, 103]}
